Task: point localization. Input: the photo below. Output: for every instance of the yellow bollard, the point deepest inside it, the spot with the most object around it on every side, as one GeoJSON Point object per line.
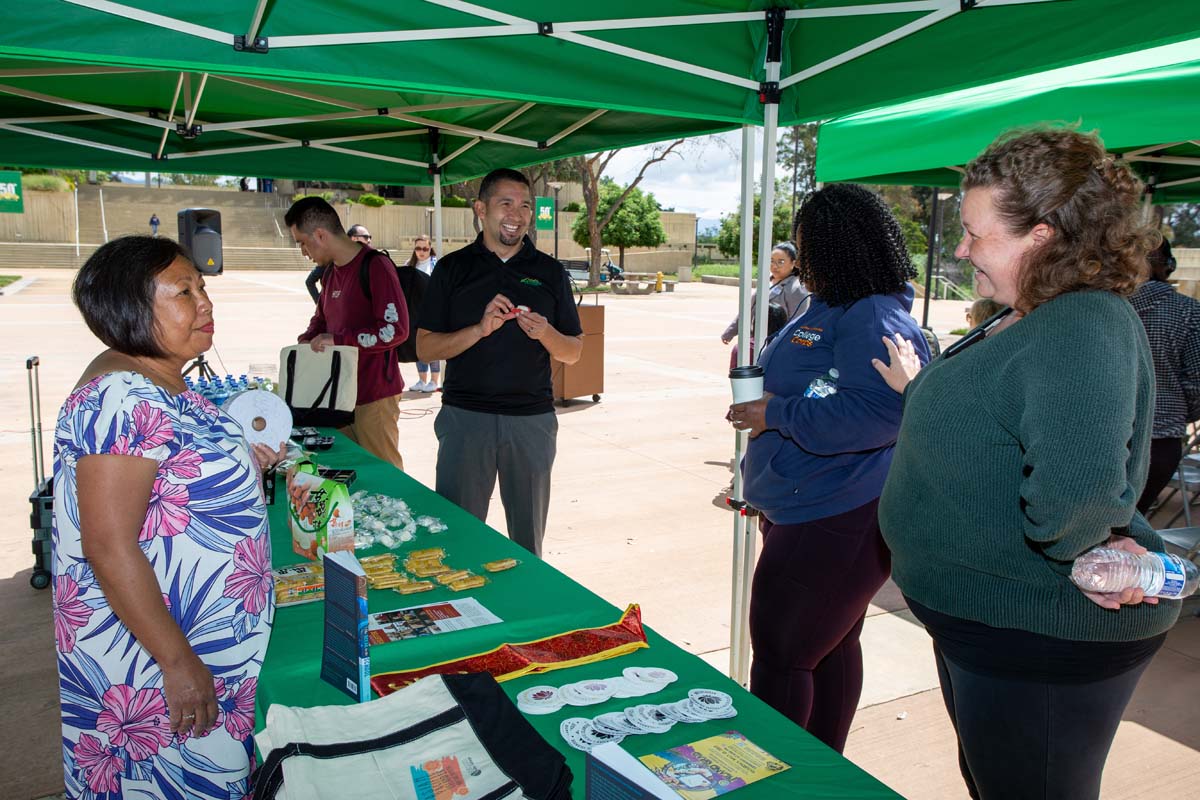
{"type": "Point", "coordinates": [658, 283]}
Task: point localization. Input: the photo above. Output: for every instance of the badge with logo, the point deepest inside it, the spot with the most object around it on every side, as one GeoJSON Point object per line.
{"type": "Point", "coordinates": [806, 336]}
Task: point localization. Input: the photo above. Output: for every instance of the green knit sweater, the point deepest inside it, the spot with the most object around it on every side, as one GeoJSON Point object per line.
{"type": "Point", "coordinates": [1015, 456]}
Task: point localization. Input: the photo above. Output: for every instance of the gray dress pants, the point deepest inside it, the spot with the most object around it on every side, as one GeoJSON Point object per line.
{"type": "Point", "coordinates": [474, 447]}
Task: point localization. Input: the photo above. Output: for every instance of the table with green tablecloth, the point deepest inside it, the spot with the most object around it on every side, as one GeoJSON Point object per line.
{"type": "Point", "coordinates": [534, 600]}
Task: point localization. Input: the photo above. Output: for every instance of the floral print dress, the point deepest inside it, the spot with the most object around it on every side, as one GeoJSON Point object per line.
{"type": "Point", "coordinates": [206, 538]}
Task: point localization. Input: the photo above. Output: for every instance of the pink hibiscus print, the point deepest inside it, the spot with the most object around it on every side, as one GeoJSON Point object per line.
{"type": "Point", "coordinates": [101, 765]}
{"type": "Point", "coordinates": [79, 395]}
{"type": "Point", "coordinates": [70, 613]}
{"type": "Point", "coordinates": [167, 514]}
{"type": "Point", "coordinates": [135, 719]}
{"type": "Point", "coordinates": [251, 577]}
{"type": "Point", "coordinates": [184, 464]}
{"type": "Point", "coordinates": [124, 447]}
{"type": "Point", "coordinates": [151, 428]}
{"type": "Point", "coordinates": [238, 708]}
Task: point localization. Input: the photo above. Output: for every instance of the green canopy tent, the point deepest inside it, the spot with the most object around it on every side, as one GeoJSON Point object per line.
{"type": "Point", "coordinates": [1145, 106]}
{"type": "Point", "coordinates": [721, 62]}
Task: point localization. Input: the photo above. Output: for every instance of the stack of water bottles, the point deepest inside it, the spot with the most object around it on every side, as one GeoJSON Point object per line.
{"type": "Point", "coordinates": [217, 389]}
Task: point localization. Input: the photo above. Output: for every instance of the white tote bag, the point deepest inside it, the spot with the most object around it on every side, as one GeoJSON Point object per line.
{"type": "Point", "coordinates": [321, 388]}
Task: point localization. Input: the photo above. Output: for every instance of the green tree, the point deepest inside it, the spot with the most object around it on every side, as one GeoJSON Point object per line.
{"type": "Point", "coordinates": [913, 232]}
{"type": "Point", "coordinates": [1184, 221]}
{"type": "Point", "coordinates": [797, 156]}
{"type": "Point", "coordinates": [186, 179]}
{"type": "Point", "coordinates": [590, 170]}
{"type": "Point", "coordinates": [729, 236]}
{"type": "Point", "coordinates": [635, 223]}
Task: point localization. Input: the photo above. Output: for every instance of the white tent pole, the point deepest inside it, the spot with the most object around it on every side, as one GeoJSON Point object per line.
{"type": "Point", "coordinates": [256, 22]}
{"type": "Point", "coordinates": [737, 610]}
{"type": "Point", "coordinates": [72, 140]}
{"type": "Point", "coordinates": [191, 114]}
{"type": "Point", "coordinates": [494, 128]}
{"type": "Point", "coordinates": [162, 142]}
{"type": "Point", "coordinates": [437, 209]}
{"type": "Point", "coordinates": [95, 109]}
{"type": "Point", "coordinates": [77, 223]}
{"type": "Point", "coordinates": [158, 20]}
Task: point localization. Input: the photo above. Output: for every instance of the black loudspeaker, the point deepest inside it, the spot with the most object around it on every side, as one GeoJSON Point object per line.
{"type": "Point", "coordinates": [200, 235]}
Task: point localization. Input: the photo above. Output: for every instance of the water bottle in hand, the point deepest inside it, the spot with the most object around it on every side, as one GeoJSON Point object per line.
{"type": "Point", "coordinates": [1105, 569]}
{"type": "Point", "coordinates": [823, 386]}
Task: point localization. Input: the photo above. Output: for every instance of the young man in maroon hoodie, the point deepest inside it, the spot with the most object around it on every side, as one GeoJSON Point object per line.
{"type": "Point", "coordinates": [375, 322]}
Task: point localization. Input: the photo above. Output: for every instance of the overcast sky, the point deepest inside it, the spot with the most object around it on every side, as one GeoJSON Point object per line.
{"type": "Point", "coordinates": [705, 180]}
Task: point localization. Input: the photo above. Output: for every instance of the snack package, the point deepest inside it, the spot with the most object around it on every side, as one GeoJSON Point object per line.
{"type": "Point", "coordinates": [299, 583]}
{"type": "Point", "coordinates": [325, 523]}
{"type": "Point", "coordinates": [501, 564]}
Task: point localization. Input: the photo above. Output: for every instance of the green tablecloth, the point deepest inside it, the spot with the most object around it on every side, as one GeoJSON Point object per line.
{"type": "Point", "coordinates": [534, 600]}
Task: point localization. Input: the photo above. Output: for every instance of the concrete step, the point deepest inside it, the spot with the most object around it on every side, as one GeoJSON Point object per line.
{"type": "Point", "coordinates": [15, 257]}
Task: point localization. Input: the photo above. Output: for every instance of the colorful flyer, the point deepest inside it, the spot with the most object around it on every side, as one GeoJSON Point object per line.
{"type": "Point", "coordinates": [427, 620]}
{"type": "Point", "coordinates": [713, 766]}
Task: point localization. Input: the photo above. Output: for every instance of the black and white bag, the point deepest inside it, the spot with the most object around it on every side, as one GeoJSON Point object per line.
{"type": "Point", "coordinates": [457, 734]}
{"type": "Point", "coordinates": [321, 389]}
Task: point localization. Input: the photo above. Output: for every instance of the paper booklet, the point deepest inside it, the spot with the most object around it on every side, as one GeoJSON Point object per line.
{"type": "Point", "coordinates": [427, 620]}
{"type": "Point", "coordinates": [346, 657]}
{"type": "Point", "coordinates": [713, 766]}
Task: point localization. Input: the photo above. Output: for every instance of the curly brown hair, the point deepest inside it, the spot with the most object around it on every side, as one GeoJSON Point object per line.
{"type": "Point", "coordinates": [1065, 179]}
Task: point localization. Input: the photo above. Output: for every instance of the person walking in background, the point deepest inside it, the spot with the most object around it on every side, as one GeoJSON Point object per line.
{"type": "Point", "coordinates": [1042, 459]}
{"type": "Point", "coordinates": [162, 557]}
{"type": "Point", "coordinates": [498, 311]}
{"type": "Point", "coordinates": [820, 445]}
{"type": "Point", "coordinates": [982, 310]}
{"type": "Point", "coordinates": [154, 224]}
{"type": "Point", "coordinates": [360, 305]}
{"type": "Point", "coordinates": [786, 291]}
{"type": "Point", "coordinates": [1172, 323]}
{"type": "Point", "coordinates": [424, 259]}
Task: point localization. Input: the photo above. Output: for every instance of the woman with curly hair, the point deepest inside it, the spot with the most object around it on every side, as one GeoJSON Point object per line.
{"type": "Point", "coordinates": [1023, 449]}
{"type": "Point", "coordinates": [820, 445]}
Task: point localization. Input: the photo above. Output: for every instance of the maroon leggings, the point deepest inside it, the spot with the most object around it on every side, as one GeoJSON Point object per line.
{"type": "Point", "coordinates": [811, 589]}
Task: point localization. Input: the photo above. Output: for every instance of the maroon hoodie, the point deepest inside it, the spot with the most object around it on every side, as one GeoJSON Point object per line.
{"type": "Point", "coordinates": [375, 325]}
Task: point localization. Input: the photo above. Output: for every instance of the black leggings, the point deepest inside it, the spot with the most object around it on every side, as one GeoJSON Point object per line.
{"type": "Point", "coordinates": [1165, 455]}
{"type": "Point", "coordinates": [810, 594]}
{"type": "Point", "coordinates": [1028, 740]}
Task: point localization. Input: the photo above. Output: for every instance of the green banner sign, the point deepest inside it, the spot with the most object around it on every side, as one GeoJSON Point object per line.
{"type": "Point", "coordinates": [544, 206]}
{"type": "Point", "coordinates": [12, 199]}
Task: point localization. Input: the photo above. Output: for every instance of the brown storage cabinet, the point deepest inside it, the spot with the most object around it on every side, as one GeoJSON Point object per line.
{"type": "Point", "coordinates": [585, 376]}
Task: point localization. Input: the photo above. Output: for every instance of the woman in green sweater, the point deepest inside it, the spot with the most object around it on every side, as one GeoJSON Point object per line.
{"type": "Point", "coordinates": [1022, 447]}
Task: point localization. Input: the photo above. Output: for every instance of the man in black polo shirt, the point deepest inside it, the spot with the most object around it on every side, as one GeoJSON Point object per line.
{"type": "Point", "coordinates": [497, 311]}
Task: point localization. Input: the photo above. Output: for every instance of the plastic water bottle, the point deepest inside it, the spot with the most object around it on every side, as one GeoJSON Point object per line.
{"type": "Point", "coordinates": [824, 385]}
{"type": "Point", "coordinates": [1157, 574]}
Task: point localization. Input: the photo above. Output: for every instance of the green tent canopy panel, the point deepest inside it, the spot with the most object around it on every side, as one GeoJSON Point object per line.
{"type": "Point", "coordinates": [1145, 106]}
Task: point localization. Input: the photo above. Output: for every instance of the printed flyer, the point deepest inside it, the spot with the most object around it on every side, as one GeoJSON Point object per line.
{"type": "Point", "coordinates": [713, 766]}
{"type": "Point", "coordinates": [427, 620]}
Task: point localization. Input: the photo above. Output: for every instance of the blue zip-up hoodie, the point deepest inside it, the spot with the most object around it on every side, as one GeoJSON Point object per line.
{"type": "Point", "coordinates": [825, 456]}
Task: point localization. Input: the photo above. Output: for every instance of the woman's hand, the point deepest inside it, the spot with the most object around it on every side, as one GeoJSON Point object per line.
{"type": "Point", "coordinates": [266, 457]}
{"type": "Point", "coordinates": [298, 493]}
{"type": "Point", "coordinates": [191, 698]}
{"type": "Point", "coordinates": [1128, 597]}
{"type": "Point", "coordinates": [751, 417]}
{"type": "Point", "coordinates": [902, 366]}
{"type": "Point", "coordinates": [726, 339]}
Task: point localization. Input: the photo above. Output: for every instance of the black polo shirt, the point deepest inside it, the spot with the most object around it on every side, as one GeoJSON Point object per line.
{"type": "Point", "coordinates": [507, 372]}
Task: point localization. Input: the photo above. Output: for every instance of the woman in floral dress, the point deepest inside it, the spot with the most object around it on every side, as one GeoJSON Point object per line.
{"type": "Point", "coordinates": [162, 559]}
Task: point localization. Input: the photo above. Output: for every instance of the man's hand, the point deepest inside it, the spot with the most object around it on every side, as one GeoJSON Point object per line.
{"type": "Point", "coordinates": [319, 342]}
{"type": "Point", "coordinates": [534, 324]}
{"type": "Point", "coordinates": [499, 311]}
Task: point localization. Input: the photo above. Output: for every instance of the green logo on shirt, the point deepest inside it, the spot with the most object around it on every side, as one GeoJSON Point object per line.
{"type": "Point", "coordinates": [531, 281]}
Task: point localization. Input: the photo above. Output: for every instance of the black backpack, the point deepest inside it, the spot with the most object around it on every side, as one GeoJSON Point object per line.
{"type": "Point", "coordinates": [412, 284]}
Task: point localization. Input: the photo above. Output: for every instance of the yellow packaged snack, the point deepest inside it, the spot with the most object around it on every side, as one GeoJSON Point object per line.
{"type": "Point", "coordinates": [447, 578]}
{"type": "Point", "coordinates": [501, 564]}
{"type": "Point", "coordinates": [472, 582]}
{"type": "Point", "coordinates": [414, 587]}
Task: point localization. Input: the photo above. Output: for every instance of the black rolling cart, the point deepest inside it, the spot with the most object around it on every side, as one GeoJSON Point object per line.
{"type": "Point", "coordinates": [41, 518]}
